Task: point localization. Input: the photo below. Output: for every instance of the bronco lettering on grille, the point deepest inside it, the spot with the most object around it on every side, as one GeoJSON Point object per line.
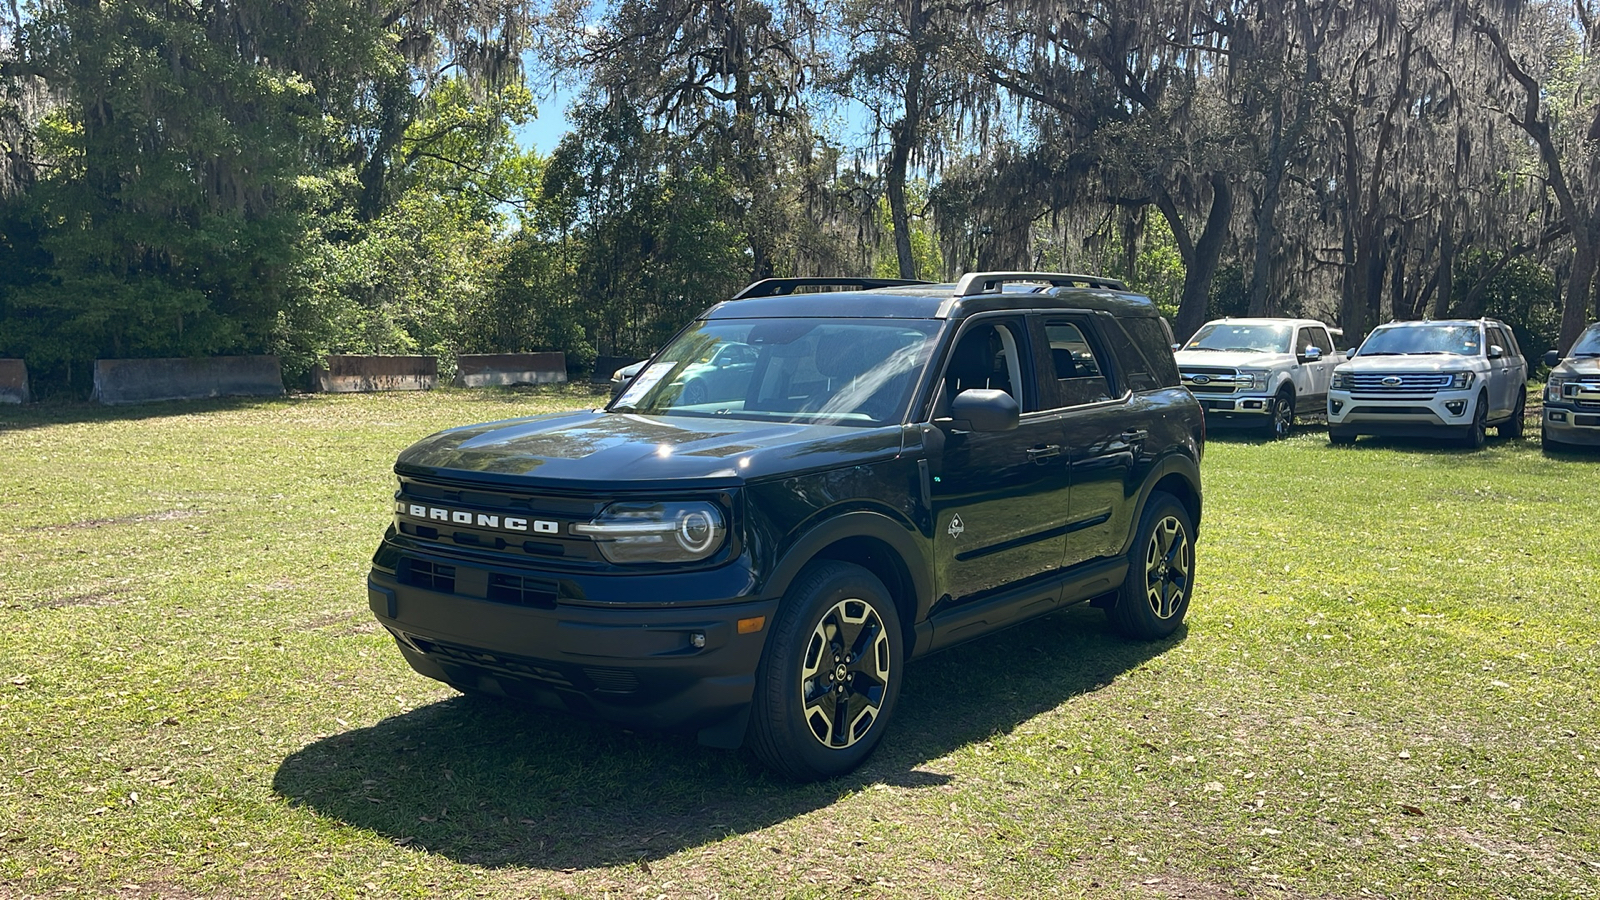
{"type": "Point", "coordinates": [477, 520]}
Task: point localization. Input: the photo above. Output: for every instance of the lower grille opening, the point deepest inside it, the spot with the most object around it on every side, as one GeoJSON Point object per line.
{"type": "Point", "coordinates": [428, 575]}
{"type": "Point", "coordinates": [519, 591]}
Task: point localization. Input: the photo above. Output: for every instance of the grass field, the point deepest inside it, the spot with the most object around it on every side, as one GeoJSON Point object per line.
{"type": "Point", "coordinates": [1386, 688]}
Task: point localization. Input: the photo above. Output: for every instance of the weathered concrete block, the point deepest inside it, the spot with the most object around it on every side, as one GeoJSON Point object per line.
{"type": "Point", "coordinates": [14, 381]}
{"type": "Point", "coordinates": [118, 381]}
{"type": "Point", "coordinates": [606, 366]}
{"type": "Point", "coordinates": [484, 369]}
{"type": "Point", "coordinates": [364, 374]}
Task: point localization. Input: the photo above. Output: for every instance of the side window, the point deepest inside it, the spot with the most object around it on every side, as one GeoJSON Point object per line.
{"type": "Point", "coordinates": [1321, 341]}
{"type": "Point", "coordinates": [1302, 340]}
{"type": "Point", "coordinates": [1081, 372]}
{"type": "Point", "coordinates": [989, 355]}
{"type": "Point", "coordinates": [1504, 339]}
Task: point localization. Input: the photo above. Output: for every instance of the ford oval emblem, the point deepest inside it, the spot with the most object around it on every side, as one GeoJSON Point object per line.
{"type": "Point", "coordinates": [1391, 380]}
{"type": "Point", "coordinates": [1201, 379]}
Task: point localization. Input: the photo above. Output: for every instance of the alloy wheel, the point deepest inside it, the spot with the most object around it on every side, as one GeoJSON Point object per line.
{"type": "Point", "coordinates": [844, 673]}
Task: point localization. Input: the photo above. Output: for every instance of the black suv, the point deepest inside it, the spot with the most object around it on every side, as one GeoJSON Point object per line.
{"type": "Point", "coordinates": [798, 494]}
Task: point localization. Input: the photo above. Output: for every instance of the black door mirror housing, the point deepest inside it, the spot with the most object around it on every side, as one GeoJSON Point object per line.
{"type": "Point", "coordinates": [984, 409]}
{"type": "Point", "coordinates": [1551, 357]}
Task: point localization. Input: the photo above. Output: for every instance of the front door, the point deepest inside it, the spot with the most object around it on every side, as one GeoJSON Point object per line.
{"type": "Point", "coordinates": [999, 498]}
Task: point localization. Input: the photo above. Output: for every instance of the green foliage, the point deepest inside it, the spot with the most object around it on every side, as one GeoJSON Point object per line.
{"type": "Point", "coordinates": [1524, 295]}
{"type": "Point", "coordinates": [924, 244]}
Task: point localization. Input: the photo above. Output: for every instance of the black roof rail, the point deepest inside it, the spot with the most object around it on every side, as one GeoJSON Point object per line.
{"type": "Point", "coordinates": [984, 282]}
{"type": "Point", "coordinates": [775, 287]}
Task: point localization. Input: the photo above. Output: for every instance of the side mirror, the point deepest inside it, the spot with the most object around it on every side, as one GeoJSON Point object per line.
{"type": "Point", "coordinates": [1552, 357]}
{"type": "Point", "coordinates": [1496, 351]}
{"type": "Point", "coordinates": [1312, 354]}
{"type": "Point", "coordinates": [1176, 347]}
{"type": "Point", "coordinates": [981, 409]}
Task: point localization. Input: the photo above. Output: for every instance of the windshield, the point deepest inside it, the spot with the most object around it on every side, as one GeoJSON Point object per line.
{"type": "Point", "coordinates": [838, 371]}
{"type": "Point", "coordinates": [1588, 343]}
{"type": "Point", "coordinates": [1229, 336]}
{"type": "Point", "coordinates": [1459, 340]}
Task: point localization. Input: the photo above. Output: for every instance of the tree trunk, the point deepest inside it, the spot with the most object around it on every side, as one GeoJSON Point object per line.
{"type": "Point", "coordinates": [1199, 257]}
{"type": "Point", "coordinates": [904, 135]}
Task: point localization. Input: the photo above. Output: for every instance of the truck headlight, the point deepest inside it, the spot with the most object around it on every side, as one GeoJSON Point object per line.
{"type": "Point", "coordinates": [1341, 381]}
{"type": "Point", "coordinates": [1460, 381]}
{"type": "Point", "coordinates": [1553, 388]}
{"type": "Point", "coordinates": [1258, 379]}
{"type": "Point", "coordinates": [642, 532]}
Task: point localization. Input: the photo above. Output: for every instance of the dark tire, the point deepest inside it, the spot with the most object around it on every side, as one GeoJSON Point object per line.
{"type": "Point", "coordinates": [1514, 427]}
{"type": "Point", "coordinates": [1545, 443]}
{"type": "Point", "coordinates": [1341, 438]}
{"type": "Point", "coordinates": [695, 393]}
{"type": "Point", "coordinates": [1473, 436]}
{"type": "Point", "coordinates": [1280, 417]}
{"type": "Point", "coordinates": [827, 683]}
{"type": "Point", "coordinates": [1155, 595]}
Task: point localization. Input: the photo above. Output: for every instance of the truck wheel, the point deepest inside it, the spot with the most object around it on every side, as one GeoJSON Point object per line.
{"type": "Point", "coordinates": [1280, 416]}
{"type": "Point", "coordinates": [828, 681]}
{"type": "Point", "coordinates": [1475, 434]}
{"type": "Point", "coordinates": [1155, 594]}
{"type": "Point", "coordinates": [1514, 427]}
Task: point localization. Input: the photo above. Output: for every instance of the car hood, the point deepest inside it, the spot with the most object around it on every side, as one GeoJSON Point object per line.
{"type": "Point", "coordinates": [600, 450]}
{"type": "Point", "coordinates": [1582, 367]}
{"type": "Point", "coordinates": [1415, 362]}
{"type": "Point", "coordinates": [1233, 359]}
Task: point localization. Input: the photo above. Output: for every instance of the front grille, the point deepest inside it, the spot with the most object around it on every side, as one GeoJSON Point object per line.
{"type": "Point", "coordinates": [1391, 411]}
{"type": "Point", "coordinates": [536, 525]}
{"type": "Point", "coordinates": [612, 681]}
{"type": "Point", "coordinates": [1583, 394]}
{"type": "Point", "coordinates": [424, 574]}
{"type": "Point", "coordinates": [1213, 379]}
{"type": "Point", "coordinates": [1426, 384]}
{"type": "Point", "coordinates": [1586, 421]}
{"type": "Point", "coordinates": [519, 591]}
{"type": "Point", "coordinates": [586, 678]}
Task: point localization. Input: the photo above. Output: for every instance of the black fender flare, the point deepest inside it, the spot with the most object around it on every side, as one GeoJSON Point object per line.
{"type": "Point", "coordinates": [901, 537]}
{"type": "Point", "coordinates": [1172, 464]}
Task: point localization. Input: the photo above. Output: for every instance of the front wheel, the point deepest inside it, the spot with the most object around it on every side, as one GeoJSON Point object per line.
{"type": "Point", "coordinates": [1280, 417]}
{"type": "Point", "coordinates": [1477, 432]}
{"type": "Point", "coordinates": [1155, 594]}
{"type": "Point", "coordinates": [827, 683]}
{"type": "Point", "coordinates": [1513, 427]}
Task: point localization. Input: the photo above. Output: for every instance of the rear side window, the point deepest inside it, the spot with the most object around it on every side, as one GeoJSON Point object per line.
{"type": "Point", "coordinates": [1321, 341]}
{"type": "Point", "coordinates": [1081, 375]}
{"type": "Point", "coordinates": [1146, 352]}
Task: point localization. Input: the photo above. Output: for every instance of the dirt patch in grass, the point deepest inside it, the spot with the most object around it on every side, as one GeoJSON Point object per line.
{"type": "Point", "coordinates": [101, 598]}
{"type": "Point", "coordinates": [170, 515]}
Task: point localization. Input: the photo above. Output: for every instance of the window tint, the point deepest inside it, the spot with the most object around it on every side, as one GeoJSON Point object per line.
{"type": "Point", "coordinates": [989, 355]}
{"type": "Point", "coordinates": [1080, 373]}
{"type": "Point", "coordinates": [1321, 341]}
{"type": "Point", "coordinates": [1302, 340]}
{"type": "Point", "coordinates": [1152, 341]}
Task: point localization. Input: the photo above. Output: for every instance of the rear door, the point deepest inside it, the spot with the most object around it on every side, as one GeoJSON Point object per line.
{"type": "Point", "coordinates": [999, 498]}
{"type": "Point", "coordinates": [1090, 397]}
{"type": "Point", "coordinates": [1504, 379]}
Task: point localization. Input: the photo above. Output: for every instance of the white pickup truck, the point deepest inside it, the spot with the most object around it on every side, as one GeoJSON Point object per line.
{"type": "Point", "coordinates": [1260, 372]}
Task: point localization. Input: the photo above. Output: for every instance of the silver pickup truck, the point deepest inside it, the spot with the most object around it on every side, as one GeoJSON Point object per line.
{"type": "Point", "coordinates": [1259, 372]}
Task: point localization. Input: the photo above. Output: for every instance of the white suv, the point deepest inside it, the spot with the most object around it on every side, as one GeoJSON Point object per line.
{"type": "Point", "coordinates": [1458, 376]}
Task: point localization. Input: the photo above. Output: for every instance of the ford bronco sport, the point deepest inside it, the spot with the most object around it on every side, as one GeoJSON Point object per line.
{"type": "Point", "coordinates": [873, 473]}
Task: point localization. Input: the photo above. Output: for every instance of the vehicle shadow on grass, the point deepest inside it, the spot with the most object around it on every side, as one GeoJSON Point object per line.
{"type": "Point", "coordinates": [60, 412]}
{"type": "Point", "coordinates": [488, 783]}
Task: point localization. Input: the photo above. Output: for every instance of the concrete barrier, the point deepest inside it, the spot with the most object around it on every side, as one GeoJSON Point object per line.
{"type": "Point", "coordinates": [364, 374]}
{"type": "Point", "coordinates": [485, 369]}
{"type": "Point", "coordinates": [14, 381]}
{"type": "Point", "coordinates": [118, 381]}
{"type": "Point", "coordinates": [606, 366]}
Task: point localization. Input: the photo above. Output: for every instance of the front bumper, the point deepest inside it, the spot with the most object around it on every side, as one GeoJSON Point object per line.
{"type": "Point", "coordinates": [1235, 409]}
{"type": "Point", "coordinates": [1569, 425]}
{"type": "Point", "coordinates": [1401, 416]}
{"type": "Point", "coordinates": [636, 664]}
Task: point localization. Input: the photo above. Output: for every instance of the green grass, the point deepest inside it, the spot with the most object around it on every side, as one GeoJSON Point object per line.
{"type": "Point", "coordinates": [1386, 688]}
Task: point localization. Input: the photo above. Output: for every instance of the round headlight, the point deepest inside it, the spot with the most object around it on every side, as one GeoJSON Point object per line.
{"type": "Point", "coordinates": [635, 532]}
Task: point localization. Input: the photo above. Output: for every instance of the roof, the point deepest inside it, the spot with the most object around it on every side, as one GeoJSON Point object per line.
{"type": "Point", "coordinates": [1269, 320]}
{"type": "Point", "coordinates": [976, 292]}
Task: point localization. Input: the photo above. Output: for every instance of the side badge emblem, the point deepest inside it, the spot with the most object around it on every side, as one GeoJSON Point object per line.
{"type": "Point", "coordinates": [956, 528]}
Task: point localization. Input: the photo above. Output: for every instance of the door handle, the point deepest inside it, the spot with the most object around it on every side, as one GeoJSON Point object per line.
{"type": "Point", "coordinates": [1134, 435]}
{"type": "Point", "coordinates": [1040, 454]}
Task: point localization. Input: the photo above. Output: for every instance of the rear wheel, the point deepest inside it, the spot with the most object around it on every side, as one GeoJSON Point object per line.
{"type": "Point", "coordinates": [1280, 416]}
{"type": "Point", "coordinates": [828, 681]}
{"type": "Point", "coordinates": [1155, 594]}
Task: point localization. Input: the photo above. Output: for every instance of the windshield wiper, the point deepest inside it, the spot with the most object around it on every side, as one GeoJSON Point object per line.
{"type": "Point", "coordinates": [1211, 349]}
{"type": "Point", "coordinates": [1249, 350]}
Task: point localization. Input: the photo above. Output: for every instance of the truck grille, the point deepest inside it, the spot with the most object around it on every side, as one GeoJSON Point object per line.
{"type": "Point", "coordinates": [1212, 379]}
{"type": "Point", "coordinates": [424, 574]}
{"type": "Point", "coordinates": [506, 522]}
{"type": "Point", "coordinates": [1416, 384]}
{"type": "Point", "coordinates": [1583, 394]}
